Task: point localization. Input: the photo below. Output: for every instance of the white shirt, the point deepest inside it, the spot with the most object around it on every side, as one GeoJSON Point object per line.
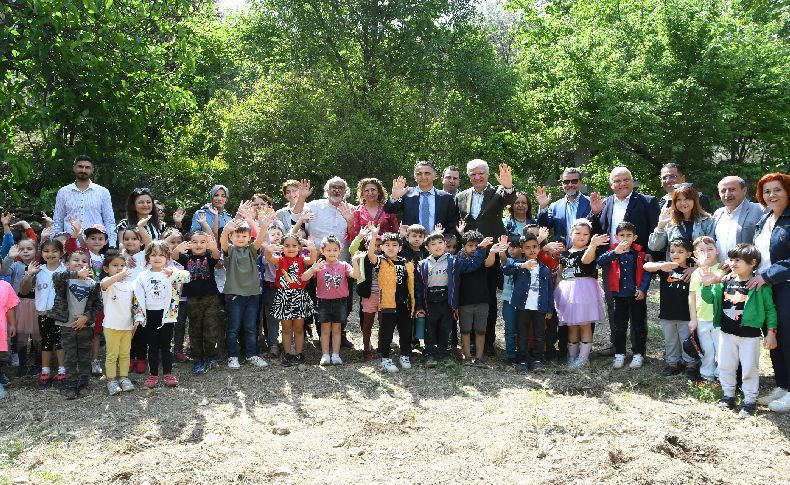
{"type": "Point", "coordinates": [727, 231]}
{"type": "Point", "coordinates": [117, 301]}
{"type": "Point", "coordinates": [477, 203]}
{"type": "Point", "coordinates": [618, 214]}
{"type": "Point", "coordinates": [534, 289]}
{"type": "Point", "coordinates": [763, 244]}
{"type": "Point", "coordinates": [92, 206]}
{"type": "Point", "coordinates": [139, 264]}
{"type": "Point", "coordinates": [157, 288]}
{"type": "Point", "coordinates": [327, 221]}
{"type": "Point", "coordinates": [45, 291]}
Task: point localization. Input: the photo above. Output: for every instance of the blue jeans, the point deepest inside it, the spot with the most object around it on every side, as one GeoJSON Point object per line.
{"type": "Point", "coordinates": [509, 315]}
{"type": "Point", "coordinates": [242, 317]}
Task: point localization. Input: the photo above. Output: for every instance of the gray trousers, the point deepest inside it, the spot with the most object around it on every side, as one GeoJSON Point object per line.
{"type": "Point", "coordinates": [675, 332]}
{"type": "Point", "coordinates": [77, 347]}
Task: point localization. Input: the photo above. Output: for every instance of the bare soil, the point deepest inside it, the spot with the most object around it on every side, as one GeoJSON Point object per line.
{"type": "Point", "coordinates": [353, 424]}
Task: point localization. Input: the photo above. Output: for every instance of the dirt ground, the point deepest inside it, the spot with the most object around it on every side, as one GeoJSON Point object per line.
{"type": "Point", "coordinates": [353, 424]}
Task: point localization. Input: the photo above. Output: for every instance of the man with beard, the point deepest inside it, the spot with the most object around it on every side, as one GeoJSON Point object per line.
{"type": "Point", "coordinates": [560, 214]}
{"type": "Point", "coordinates": [85, 201]}
{"type": "Point", "coordinates": [737, 221]}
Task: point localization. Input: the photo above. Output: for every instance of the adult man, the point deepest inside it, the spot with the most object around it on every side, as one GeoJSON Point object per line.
{"type": "Point", "coordinates": [84, 200]}
{"type": "Point", "coordinates": [425, 204]}
{"type": "Point", "coordinates": [481, 208]}
{"type": "Point", "coordinates": [735, 222]}
{"type": "Point", "coordinates": [451, 180]}
{"type": "Point", "coordinates": [625, 204]}
{"type": "Point", "coordinates": [560, 214]}
{"type": "Point", "coordinates": [671, 175]}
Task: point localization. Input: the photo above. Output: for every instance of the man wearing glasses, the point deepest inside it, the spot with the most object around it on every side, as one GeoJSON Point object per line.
{"type": "Point", "coordinates": [560, 214]}
{"type": "Point", "coordinates": [672, 177]}
{"type": "Point", "coordinates": [84, 200]}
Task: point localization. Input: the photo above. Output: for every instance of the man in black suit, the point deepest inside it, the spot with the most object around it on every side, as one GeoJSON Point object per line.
{"type": "Point", "coordinates": [672, 175]}
{"type": "Point", "coordinates": [625, 204]}
{"type": "Point", "coordinates": [425, 204]}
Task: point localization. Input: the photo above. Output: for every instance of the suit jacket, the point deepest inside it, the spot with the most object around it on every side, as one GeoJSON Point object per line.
{"type": "Point", "coordinates": [642, 212]}
{"type": "Point", "coordinates": [489, 221]}
{"type": "Point", "coordinates": [553, 216]}
{"type": "Point", "coordinates": [749, 217]}
{"type": "Point", "coordinates": [445, 210]}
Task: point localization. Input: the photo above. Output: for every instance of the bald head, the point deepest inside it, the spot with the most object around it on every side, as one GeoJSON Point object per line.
{"type": "Point", "coordinates": [621, 181]}
{"type": "Point", "coordinates": [732, 191]}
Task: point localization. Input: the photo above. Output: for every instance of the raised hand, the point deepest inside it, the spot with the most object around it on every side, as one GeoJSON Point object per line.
{"type": "Point", "coordinates": [268, 215]}
{"type": "Point", "coordinates": [399, 188]}
{"type": "Point", "coordinates": [47, 220]}
{"type": "Point", "coordinates": [178, 215]}
{"type": "Point", "coordinates": [486, 242]}
{"type": "Point", "coordinates": [554, 247]}
{"type": "Point", "coordinates": [304, 189]}
{"type": "Point", "coordinates": [599, 240]}
{"type": "Point", "coordinates": [84, 273]}
{"type": "Point", "coordinates": [46, 233]}
{"type": "Point", "coordinates": [202, 217]}
{"type": "Point", "coordinates": [183, 246]}
{"type": "Point", "coordinates": [530, 264]}
{"type": "Point", "coordinates": [213, 210]}
{"type": "Point", "coordinates": [144, 221]}
{"type": "Point", "coordinates": [439, 228]}
{"type": "Point", "coordinates": [76, 226]}
{"type": "Point", "coordinates": [167, 271]}
{"type": "Point", "coordinates": [403, 230]}
{"type": "Point", "coordinates": [542, 196]}
{"type": "Point", "coordinates": [499, 248]}
{"type": "Point", "coordinates": [346, 211]}
{"type": "Point", "coordinates": [320, 265]}
{"type": "Point", "coordinates": [13, 252]}
{"type": "Point", "coordinates": [596, 203]}
{"type": "Point", "coordinates": [706, 276]}
{"type": "Point", "coordinates": [505, 176]}
{"type": "Point", "coordinates": [622, 247]}
{"type": "Point", "coordinates": [231, 226]}
{"type": "Point", "coordinates": [359, 255]}
{"type": "Point", "coordinates": [33, 268]}
{"type": "Point", "coordinates": [503, 239]}
{"type": "Point", "coordinates": [665, 217]}
{"type": "Point", "coordinates": [274, 248]}
{"type": "Point", "coordinates": [460, 227]}
{"type": "Point", "coordinates": [6, 218]}
{"type": "Point", "coordinates": [130, 262]}
{"type": "Point", "coordinates": [543, 234]}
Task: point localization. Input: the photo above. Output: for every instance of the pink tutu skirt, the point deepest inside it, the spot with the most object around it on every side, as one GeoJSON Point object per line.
{"type": "Point", "coordinates": [27, 321]}
{"type": "Point", "coordinates": [579, 301]}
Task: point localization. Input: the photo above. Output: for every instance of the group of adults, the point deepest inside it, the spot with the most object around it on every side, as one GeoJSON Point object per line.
{"type": "Point", "coordinates": [681, 211]}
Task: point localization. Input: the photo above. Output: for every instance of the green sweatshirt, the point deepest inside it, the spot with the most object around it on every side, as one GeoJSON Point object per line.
{"type": "Point", "coordinates": [758, 310]}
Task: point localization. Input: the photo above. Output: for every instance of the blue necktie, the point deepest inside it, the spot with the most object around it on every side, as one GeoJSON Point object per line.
{"type": "Point", "coordinates": [425, 211]}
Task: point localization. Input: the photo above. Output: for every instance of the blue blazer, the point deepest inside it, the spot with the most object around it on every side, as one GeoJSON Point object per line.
{"type": "Point", "coordinates": [445, 210]}
{"type": "Point", "coordinates": [553, 216]}
{"type": "Point", "coordinates": [642, 212]}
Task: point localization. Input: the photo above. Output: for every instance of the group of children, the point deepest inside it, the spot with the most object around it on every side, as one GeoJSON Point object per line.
{"type": "Point", "coordinates": [64, 293]}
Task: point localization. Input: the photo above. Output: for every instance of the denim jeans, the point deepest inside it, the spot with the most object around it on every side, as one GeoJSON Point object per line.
{"type": "Point", "coordinates": [509, 316]}
{"type": "Point", "coordinates": [242, 319]}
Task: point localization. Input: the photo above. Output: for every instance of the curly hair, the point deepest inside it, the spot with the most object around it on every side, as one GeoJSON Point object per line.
{"type": "Point", "coordinates": [361, 187]}
{"type": "Point", "coordinates": [782, 178]}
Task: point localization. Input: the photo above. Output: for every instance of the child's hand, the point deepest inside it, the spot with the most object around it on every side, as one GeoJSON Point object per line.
{"type": "Point", "coordinates": [76, 226]}
{"type": "Point", "coordinates": [460, 226]}
{"type": "Point", "coordinates": [403, 231]}
{"type": "Point", "coordinates": [211, 242]}
{"type": "Point", "coordinates": [125, 274]}
{"type": "Point", "coordinates": [687, 273]}
{"type": "Point", "coordinates": [202, 217]}
{"type": "Point", "coordinates": [12, 329]}
{"type": "Point", "coordinates": [33, 268]}
{"type": "Point", "coordinates": [6, 218]}
{"type": "Point", "coordinates": [530, 265]}
{"type": "Point", "coordinates": [439, 228]}
{"type": "Point", "coordinates": [80, 322]}
{"type": "Point", "coordinates": [668, 266]}
{"type": "Point", "coordinates": [13, 252]}
{"type": "Point", "coordinates": [640, 295]}
{"type": "Point", "coordinates": [486, 242]}
{"type": "Point", "coordinates": [167, 271]}
{"type": "Point", "coordinates": [183, 246]}
{"type": "Point", "coordinates": [144, 221]}
{"type": "Point", "coordinates": [84, 273]}
{"type": "Point", "coordinates": [770, 341]}
{"type": "Point", "coordinates": [274, 248]}
{"type": "Point", "coordinates": [693, 326]}
{"type": "Point", "coordinates": [707, 276]}
{"type": "Point", "coordinates": [47, 220]}
{"type": "Point", "coordinates": [320, 265]}
{"type": "Point", "coordinates": [130, 262]}
{"type": "Point", "coordinates": [231, 226]}
{"type": "Point", "coordinates": [178, 216]}
{"type": "Point", "coordinates": [554, 247]}
{"type": "Point", "coordinates": [622, 247]}
{"type": "Point", "coordinates": [308, 243]}
{"type": "Point", "coordinates": [46, 233]}
{"type": "Point", "coordinates": [359, 255]}
{"type": "Point", "coordinates": [504, 240]}
{"type": "Point", "coordinates": [599, 240]}
{"type": "Point", "coordinates": [543, 234]}
{"type": "Point", "coordinates": [213, 211]}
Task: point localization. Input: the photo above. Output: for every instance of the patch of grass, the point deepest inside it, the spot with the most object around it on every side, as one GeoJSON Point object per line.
{"type": "Point", "coordinates": [537, 398]}
{"type": "Point", "coordinates": [51, 475]}
{"type": "Point", "coordinates": [705, 391]}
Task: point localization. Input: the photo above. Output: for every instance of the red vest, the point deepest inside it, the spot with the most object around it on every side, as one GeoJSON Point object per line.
{"type": "Point", "coordinates": [614, 268]}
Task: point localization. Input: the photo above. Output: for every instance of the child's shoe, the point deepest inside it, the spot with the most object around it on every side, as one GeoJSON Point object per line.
{"type": "Point", "coordinates": [126, 385]}
{"type": "Point", "coordinates": [14, 360]}
{"type": "Point", "coordinates": [346, 343]}
{"type": "Point", "coordinates": [636, 361]}
{"type": "Point", "coordinates": [671, 370]}
{"type": "Point", "coordinates": [480, 363]}
{"type": "Point", "coordinates": [619, 361]}
{"type": "Point", "coordinates": [151, 382]}
{"type": "Point", "coordinates": [326, 359]}
{"type": "Point", "coordinates": [211, 363]}
{"type": "Point", "coordinates": [579, 363]}
{"type": "Point", "coordinates": [180, 356]}
{"type": "Point", "coordinates": [405, 362]}
{"type": "Point", "coordinates": [367, 355]}
{"type": "Point", "coordinates": [113, 387]}
{"type": "Point", "coordinates": [289, 360]}
{"type": "Point", "coordinates": [727, 402]}
{"type": "Point", "coordinates": [523, 367]}
{"type": "Point", "coordinates": [60, 378]}
{"type": "Point", "coordinates": [776, 393]}
{"type": "Point", "coordinates": [170, 380]}
{"type": "Point", "coordinates": [388, 365]}
{"type": "Point", "coordinates": [748, 409]}
{"type": "Point", "coordinates": [44, 381]}
{"type": "Point", "coordinates": [96, 370]}
{"type": "Point", "coordinates": [198, 367]}
{"type": "Point", "coordinates": [336, 360]}
{"type": "Point", "coordinates": [233, 363]}
{"type": "Point", "coordinates": [142, 366]}
{"type": "Point", "coordinates": [257, 361]}
{"type": "Point", "coordinates": [299, 359]}
{"type": "Point", "coordinates": [537, 366]}
{"type": "Point", "coordinates": [430, 362]}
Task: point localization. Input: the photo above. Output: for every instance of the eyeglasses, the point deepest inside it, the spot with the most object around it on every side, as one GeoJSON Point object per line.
{"type": "Point", "coordinates": [683, 185]}
{"type": "Point", "coordinates": [162, 210]}
{"type": "Point", "coordinates": [670, 176]}
{"type": "Point", "coordinates": [570, 182]}
{"type": "Point", "coordinates": [141, 190]}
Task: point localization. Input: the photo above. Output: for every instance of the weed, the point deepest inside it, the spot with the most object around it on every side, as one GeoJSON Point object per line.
{"type": "Point", "coordinates": [705, 391]}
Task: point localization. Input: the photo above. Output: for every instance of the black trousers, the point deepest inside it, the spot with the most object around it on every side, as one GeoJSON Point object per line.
{"type": "Point", "coordinates": [536, 321]}
{"type": "Point", "coordinates": [637, 311]}
{"type": "Point", "coordinates": [389, 321]}
{"type": "Point", "coordinates": [159, 337]}
{"type": "Point", "coordinates": [438, 325]}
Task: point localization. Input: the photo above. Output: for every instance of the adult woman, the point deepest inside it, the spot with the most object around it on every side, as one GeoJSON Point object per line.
{"type": "Point", "coordinates": [212, 217]}
{"type": "Point", "coordinates": [772, 239]}
{"type": "Point", "coordinates": [286, 215]}
{"type": "Point", "coordinates": [140, 205]}
{"type": "Point", "coordinates": [685, 218]}
{"type": "Point", "coordinates": [520, 216]}
{"type": "Point", "coordinates": [371, 195]}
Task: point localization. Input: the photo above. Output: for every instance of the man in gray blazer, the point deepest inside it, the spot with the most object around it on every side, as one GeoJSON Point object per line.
{"type": "Point", "coordinates": [735, 222]}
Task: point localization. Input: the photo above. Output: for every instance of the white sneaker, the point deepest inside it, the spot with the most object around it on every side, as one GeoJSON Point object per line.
{"type": "Point", "coordinates": [405, 362]}
{"type": "Point", "coordinates": [325, 360]}
{"type": "Point", "coordinates": [780, 405]}
{"type": "Point", "coordinates": [578, 363]}
{"type": "Point", "coordinates": [96, 369]}
{"type": "Point", "coordinates": [775, 394]}
{"type": "Point", "coordinates": [336, 360]}
{"type": "Point", "coordinates": [636, 361]}
{"type": "Point", "coordinates": [619, 361]}
{"type": "Point", "coordinates": [126, 385]}
{"type": "Point", "coordinates": [233, 363]}
{"type": "Point", "coordinates": [113, 387]}
{"type": "Point", "coordinates": [257, 361]}
{"type": "Point", "coordinates": [388, 365]}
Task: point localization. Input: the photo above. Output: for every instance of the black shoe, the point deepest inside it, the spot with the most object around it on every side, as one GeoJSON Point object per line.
{"type": "Point", "coordinates": [345, 343]}
{"type": "Point", "coordinates": [537, 366]}
{"type": "Point", "coordinates": [290, 360]}
{"type": "Point", "coordinates": [489, 351]}
{"type": "Point", "coordinates": [300, 359]}
{"type": "Point", "coordinates": [523, 367]}
{"type": "Point", "coordinates": [671, 370]}
{"type": "Point", "coordinates": [748, 409]}
{"type": "Point", "coordinates": [511, 360]}
{"type": "Point", "coordinates": [70, 392]}
{"type": "Point", "coordinates": [430, 361]}
{"type": "Point", "coordinates": [692, 373]}
{"type": "Point", "coordinates": [727, 403]}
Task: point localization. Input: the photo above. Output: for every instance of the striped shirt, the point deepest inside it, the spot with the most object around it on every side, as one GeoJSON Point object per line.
{"type": "Point", "coordinates": [91, 206]}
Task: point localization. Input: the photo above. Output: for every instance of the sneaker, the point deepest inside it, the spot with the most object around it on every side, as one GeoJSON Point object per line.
{"type": "Point", "coordinates": [727, 403]}
{"type": "Point", "coordinates": [142, 366]}
{"type": "Point", "coordinates": [211, 363]}
{"type": "Point", "coordinates": [180, 356]}
{"type": "Point", "coordinates": [151, 382]}
{"type": "Point", "coordinates": [619, 361]}
{"type": "Point", "coordinates": [367, 355]}
{"type": "Point", "coordinates": [781, 405]}
{"type": "Point", "coordinates": [198, 367]}
{"type": "Point", "coordinates": [233, 363]}
{"type": "Point", "coordinates": [300, 359]}
{"type": "Point", "coordinates": [336, 360]}
{"type": "Point", "coordinates": [126, 385]}
{"type": "Point", "coordinates": [170, 380]}
{"type": "Point", "coordinates": [775, 394]}
{"type": "Point", "coordinates": [44, 381]}
{"type": "Point", "coordinates": [60, 378]}
{"type": "Point", "coordinates": [469, 362]}
{"type": "Point", "coordinates": [748, 409]}
{"type": "Point", "coordinates": [69, 393]}
{"type": "Point", "coordinates": [671, 370]}
{"type": "Point", "coordinates": [578, 363]}
{"type": "Point", "coordinates": [405, 362]}
{"type": "Point", "coordinates": [257, 361]}
{"type": "Point", "coordinates": [96, 369]}
{"type": "Point", "coordinates": [345, 343]}
{"type": "Point", "coordinates": [430, 362]}
{"type": "Point", "coordinates": [537, 366]}
{"type": "Point", "coordinates": [523, 367]}
{"type": "Point", "coordinates": [480, 363]}
{"type": "Point", "coordinates": [4, 379]}
{"type": "Point", "coordinates": [325, 360]}
{"type": "Point", "coordinates": [113, 387]}
{"type": "Point", "coordinates": [636, 361]}
{"type": "Point", "coordinates": [388, 365]}
{"type": "Point", "coordinates": [274, 350]}
{"type": "Point", "coordinates": [289, 360]}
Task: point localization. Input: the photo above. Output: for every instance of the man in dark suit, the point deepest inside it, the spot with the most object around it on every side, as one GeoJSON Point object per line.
{"type": "Point", "coordinates": [424, 204]}
{"type": "Point", "coordinates": [672, 175]}
{"type": "Point", "coordinates": [481, 209]}
{"type": "Point", "coordinates": [560, 214]}
{"type": "Point", "coordinates": [625, 204]}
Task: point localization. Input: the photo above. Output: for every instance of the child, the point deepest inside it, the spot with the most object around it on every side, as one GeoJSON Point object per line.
{"type": "Point", "coordinates": [175, 239]}
{"type": "Point", "coordinates": [451, 242]}
{"type": "Point", "coordinates": [157, 291]}
{"type": "Point", "coordinates": [412, 246]}
{"type": "Point", "coordinates": [509, 311]}
{"type": "Point", "coordinates": [132, 242]}
{"type": "Point", "coordinates": [436, 289]}
{"type": "Point", "coordinates": [16, 265]}
{"type": "Point", "coordinates": [291, 302]}
{"type": "Point", "coordinates": [473, 300]}
{"type": "Point", "coordinates": [368, 291]}
{"type": "Point", "coordinates": [242, 290]}
{"type": "Point", "coordinates": [533, 298]}
{"type": "Point", "coordinates": [673, 311]}
{"type": "Point", "coordinates": [8, 303]}
{"type": "Point", "coordinates": [77, 304]}
{"type": "Point", "coordinates": [396, 297]}
{"type": "Point", "coordinates": [200, 256]}
{"type": "Point", "coordinates": [740, 313]}
{"type": "Point", "coordinates": [579, 296]}
{"type": "Point", "coordinates": [117, 291]}
{"type": "Point", "coordinates": [332, 292]}
{"type": "Point", "coordinates": [701, 313]}
{"type": "Point", "coordinates": [629, 283]}
{"type": "Point", "coordinates": [272, 327]}
{"type": "Point", "coordinates": [39, 277]}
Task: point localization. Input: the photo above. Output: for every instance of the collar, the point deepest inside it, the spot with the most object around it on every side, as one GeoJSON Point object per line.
{"type": "Point", "coordinates": [432, 190]}
{"type": "Point", "coordinates": [474, 190]}
{"type": "Point", "coordinates": [74, 187]}
{"type": "Point", "coordinates": [441, 258]}
{"type": "Point", "coordinates": [626, 200]}
{"type": "Point", "coordinates": [740, 206]}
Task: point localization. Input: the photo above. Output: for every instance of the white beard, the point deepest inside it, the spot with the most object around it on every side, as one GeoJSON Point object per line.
{"type": "Point", "coordinates": [571, 193]}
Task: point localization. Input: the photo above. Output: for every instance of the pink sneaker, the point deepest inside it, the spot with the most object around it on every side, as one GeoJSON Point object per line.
{"type": "Point", "coordinates": [180, 356]}
{"type": "Point", "coordinates": [151, 382]}
{"type": "Point", "coordinates": [170, 380]}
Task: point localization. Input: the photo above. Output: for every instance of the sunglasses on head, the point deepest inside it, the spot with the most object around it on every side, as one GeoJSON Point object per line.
{"type": "Point", "coordinates": [683, 185]}
{"type": "Point", "coordinates": [570, 181]}
{"type": "Point", "coordinates": [141, 190]}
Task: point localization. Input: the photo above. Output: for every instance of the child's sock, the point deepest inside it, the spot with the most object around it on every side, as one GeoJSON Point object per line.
{"type": "Point", "coordinates": [573, 350]}
{"type": "Point", "coordinates": [45, 371]}
{"type": "Point", "coordinates": [61, 370]}
{"type": "Point", "coordinates": [584, 351]}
